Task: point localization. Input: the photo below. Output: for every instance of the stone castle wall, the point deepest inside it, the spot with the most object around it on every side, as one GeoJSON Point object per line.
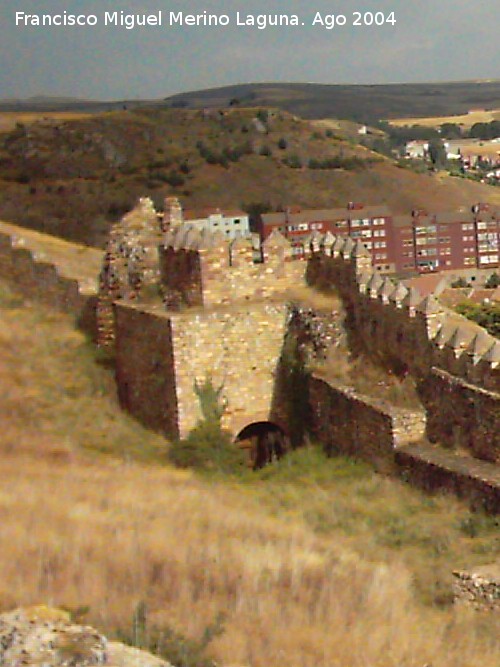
{"type": "Point", "coordinates": [194, 273]}
{"type": "Point", "coordinates": [452, 359]}
{"type": "Point", "coordinates": [238, 348]}
{"type": "Point", "coordinates": [39, 272]}
{"type": "Point", "coordinates": [145, 373]}
{"type": "Point", "coordinates": [348, 423]}
{"type": "Point", "coordinates": [186, 308]}
{"type": "Point", "coordinates": [461, 415]}
{"type": "Point", "coordinates": [160, 355]}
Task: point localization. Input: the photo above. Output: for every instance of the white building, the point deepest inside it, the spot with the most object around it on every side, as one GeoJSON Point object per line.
{"type": "Point", "coordinates": [416, 149]}
{"type": "Point", "coordinates": [232, 223]}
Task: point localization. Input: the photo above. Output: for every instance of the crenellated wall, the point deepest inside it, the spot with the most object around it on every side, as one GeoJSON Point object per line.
{"type": "Point", "coordinates": [455, 362]}
{"type": "Point", "coordinates": [183, 306]}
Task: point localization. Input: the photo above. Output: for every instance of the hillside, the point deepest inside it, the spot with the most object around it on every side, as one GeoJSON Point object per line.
{"type": "Point", "coordinates": [355, 102]}
{"type": "Point", "coordinates": [73, 178]}
{"type": "Point", "coordinates": [313, 561]}
{"type": "Point", "coordinates": [364, 103]}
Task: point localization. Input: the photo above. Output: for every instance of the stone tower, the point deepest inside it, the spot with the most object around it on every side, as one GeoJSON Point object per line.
{"type": "Point", "coordinates": [172, 214]}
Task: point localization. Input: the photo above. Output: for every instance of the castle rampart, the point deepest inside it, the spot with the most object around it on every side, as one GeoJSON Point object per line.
{"type": "Point", "coordinates": [160, 356]}
{"type": "Point", "coordinates": [182, 306]}
{"type": "Point", "coordinates": [61, 274]}
{"type": "Point", "coordinates": [453, 360]}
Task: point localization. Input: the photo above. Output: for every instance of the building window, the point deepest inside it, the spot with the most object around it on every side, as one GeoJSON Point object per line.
{"type": "Point", "coordinates": [426, 252]}
{"type": "Point", "coordinates": [488, 259]}
{"type": "Point", "coordinates": [379, 232]}
{"type": "Point", "coordinates": [407, 242]}
{"type": "Point", "coordinates": [468, 227]}
{"type": "Point", "coordinates": [429, 229]}
{"type": "Point", "coordinates": [380, 244]}
{"type": "Point", "coordinates": [379, 221]}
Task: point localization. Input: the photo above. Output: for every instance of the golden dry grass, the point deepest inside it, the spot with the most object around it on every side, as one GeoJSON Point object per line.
{"type": "Point", "coordinates": [303, 566]}
{"type": "Point", "coordinates": [467, 120]}
{"type": "Point", "coordinates": [9, 119]}
{"type": "Point", "coordinates": [110, 536]}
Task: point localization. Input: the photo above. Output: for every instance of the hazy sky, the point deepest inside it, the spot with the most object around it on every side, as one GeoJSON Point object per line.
{"type": "Point", "coordinates": [432, 40]}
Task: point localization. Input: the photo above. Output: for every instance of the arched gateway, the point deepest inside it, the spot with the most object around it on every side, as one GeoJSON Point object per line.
{"type": "Point", "coordinates": [264, 441]}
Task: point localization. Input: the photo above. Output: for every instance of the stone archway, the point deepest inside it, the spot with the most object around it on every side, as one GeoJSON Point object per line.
{"type": "Point", "coordinates": [265, 442]}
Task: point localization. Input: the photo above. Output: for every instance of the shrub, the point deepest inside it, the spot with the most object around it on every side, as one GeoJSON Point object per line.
{"type": "Point", "coordinates": [493, 281]}
{"type": "Point", "coordinates": [174, 179]}
{"type": "Point", "coordinates": [460, 282]}
{"type": "Point", "coordinates": [294, 162]}
{"type": "Point", "coordinates": [263, 115]}
{"type": "Point", "coordinates": [486, 315]}
{"type": "Point", "coordinates": [282, 144]}
{"type": "Point", "coordinates": [265, 151]}
{"type": "Point", "coordinates": [208, 447]}
{"type": "Point", "coordinates": [169, 644]}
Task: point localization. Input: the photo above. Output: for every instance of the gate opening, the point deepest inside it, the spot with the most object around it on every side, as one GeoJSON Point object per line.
{"type": "Point", "coordinates": [264, 441]}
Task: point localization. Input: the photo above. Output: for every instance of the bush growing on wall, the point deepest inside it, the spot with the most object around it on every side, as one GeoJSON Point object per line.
{"type": "Point", "coordinates": [208, 447]}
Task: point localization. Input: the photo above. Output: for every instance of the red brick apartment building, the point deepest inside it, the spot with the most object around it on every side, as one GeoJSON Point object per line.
{"type": "Point", "coordinates": [419, 242]}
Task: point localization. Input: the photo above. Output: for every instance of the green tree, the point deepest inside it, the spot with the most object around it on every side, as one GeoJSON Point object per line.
{"type": "Point", "coordinates": [437, 153]}
{"type": "Point", "coordinates": [493, 281]}
{"type": "Point", "coordinates": [451, 131]}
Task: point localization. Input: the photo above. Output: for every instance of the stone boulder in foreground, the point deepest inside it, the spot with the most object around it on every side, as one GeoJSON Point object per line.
{"type": "Point", "coordinates": [47, 637]}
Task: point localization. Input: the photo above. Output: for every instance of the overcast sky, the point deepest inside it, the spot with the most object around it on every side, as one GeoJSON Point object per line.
{"type": "Point", "coordinates": [432, 40]}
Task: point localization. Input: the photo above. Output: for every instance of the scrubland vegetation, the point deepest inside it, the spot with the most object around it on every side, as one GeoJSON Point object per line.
{"type": "Point", "coordinates": [250, 158]}
{"type": "Point", "coordinates": [313, 562]}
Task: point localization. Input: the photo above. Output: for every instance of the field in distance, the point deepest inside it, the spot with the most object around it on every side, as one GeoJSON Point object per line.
{"type": "Point", "coordinates": [10, 119]}
{"type": "Point", "coordinates": [465, 120]}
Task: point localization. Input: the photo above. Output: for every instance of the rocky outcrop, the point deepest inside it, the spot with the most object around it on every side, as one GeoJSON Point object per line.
{"type": "Point", "coordinates": [47, 637]}
{"type": "Point", "coordinates": [479, 588]}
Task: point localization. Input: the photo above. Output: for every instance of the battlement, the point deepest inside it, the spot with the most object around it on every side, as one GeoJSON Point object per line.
{"type": "Point", "coordinates": [421, 332]}
{"type": "Point", "coordinates": [455, 362]}
{"type": "Point", "coordinates": [148, 257]}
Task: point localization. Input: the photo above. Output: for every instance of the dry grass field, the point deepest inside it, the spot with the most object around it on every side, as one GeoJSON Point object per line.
{"type": "Point", "coordinates": [314, 562]}
{"type": "Point", "coordinates": [466, 120]}
{"type": "Point", "coordinates": [9, 119]}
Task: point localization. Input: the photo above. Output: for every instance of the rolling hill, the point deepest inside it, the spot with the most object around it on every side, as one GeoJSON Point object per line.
{"type": "Point", "coordinates": [356, 102]}
{"type": "Point", "coordinates": [72, 178]}
{"type": "Point", "coordinates": [363, 103]}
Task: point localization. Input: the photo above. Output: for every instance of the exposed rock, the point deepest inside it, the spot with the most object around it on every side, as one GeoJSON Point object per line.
{"type": "Point", "coordinates": [479, 588]}
{"type": "Point", "coordinates": [47, 637]}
